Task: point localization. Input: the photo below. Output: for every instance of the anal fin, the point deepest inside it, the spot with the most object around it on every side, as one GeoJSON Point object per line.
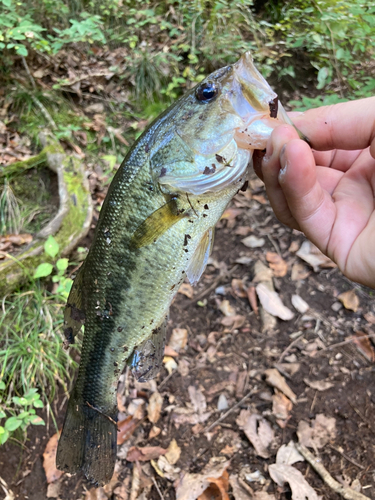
{"type": "Point", "coordinates": [200, 257]}
{"type": "Point", "coordinates": [74, 313]}
{"type": "Point", "coordinates": [146, 359]}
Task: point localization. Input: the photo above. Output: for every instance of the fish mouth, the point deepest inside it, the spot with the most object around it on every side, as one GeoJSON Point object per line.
{"type": "Point", "coordinates": [258, 106]}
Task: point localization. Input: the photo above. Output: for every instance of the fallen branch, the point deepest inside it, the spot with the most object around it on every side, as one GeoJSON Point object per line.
{"type": "Point", "coordinates": [335, 486]}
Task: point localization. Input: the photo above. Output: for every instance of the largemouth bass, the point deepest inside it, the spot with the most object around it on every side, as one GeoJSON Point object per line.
{"type": "Point", "coordinates": [155, 229]}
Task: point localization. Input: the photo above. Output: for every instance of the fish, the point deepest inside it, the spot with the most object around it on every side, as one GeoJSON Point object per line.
{"type": "Point", "coordinates": [156, 228]}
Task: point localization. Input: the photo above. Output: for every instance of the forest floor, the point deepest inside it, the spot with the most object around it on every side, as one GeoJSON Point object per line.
{"type": "Point", "coordinates": [238, 383]}
{"type": "Point", "coordinates": [273, 345]}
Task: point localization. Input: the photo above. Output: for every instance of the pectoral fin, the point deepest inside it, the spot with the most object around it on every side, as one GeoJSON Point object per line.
{"type": "Point", "coordinates": [157, 224]}
{"type": "Point", "coordinates": [199, 260]}
{"type": "Point", "coordinates": [146, 359]}
{"type": "Point", "coordinates": [74, 314]}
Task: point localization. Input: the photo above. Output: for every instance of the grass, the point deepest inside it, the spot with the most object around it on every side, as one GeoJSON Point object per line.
{"type": "Point", "coordinates": [31, 352]}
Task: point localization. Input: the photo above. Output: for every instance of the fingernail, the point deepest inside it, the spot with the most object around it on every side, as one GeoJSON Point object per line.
{"type": "Point", "coordinates": [283, 162]}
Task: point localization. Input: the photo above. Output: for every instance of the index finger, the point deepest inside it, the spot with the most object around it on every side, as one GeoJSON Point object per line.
{"type": "Point", "coordinates": [348, 125]}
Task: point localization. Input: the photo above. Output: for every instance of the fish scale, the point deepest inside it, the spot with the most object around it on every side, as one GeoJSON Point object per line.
{"type": "Point", "coordinates": [155, 229]}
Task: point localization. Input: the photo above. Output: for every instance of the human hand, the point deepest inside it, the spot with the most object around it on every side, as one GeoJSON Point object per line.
{"type": "Point", "coordinates": [328, 192]}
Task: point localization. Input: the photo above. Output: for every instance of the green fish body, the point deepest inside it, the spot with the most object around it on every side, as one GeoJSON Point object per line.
{"type": "Point", "coordinates": [155, 229]}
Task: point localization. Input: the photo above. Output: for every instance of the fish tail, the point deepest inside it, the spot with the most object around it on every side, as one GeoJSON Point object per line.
{"type": "Point", "coordinates": [88, 442]}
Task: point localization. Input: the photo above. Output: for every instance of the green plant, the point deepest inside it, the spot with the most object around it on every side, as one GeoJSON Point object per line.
{"type": "Point", "coordinates": [51, 248]}
{"type": "Point", "coordinates": [10, 214]}
{"type": "Point", "coordinates": [20, 415]}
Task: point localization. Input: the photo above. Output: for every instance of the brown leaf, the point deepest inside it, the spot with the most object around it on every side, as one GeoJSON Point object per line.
{"type": "Point", "coordinates": [231, 213]}
{"type": "Point", "coordinates": [370, 318]}
{"type": "Point", "coordinates": [301, 490]}
{"type": "Point", "coordinates": [17, 239]}
{"type": "Point", "coordinates": [234, 321]}
{"type": "Point", "coordinates": [239, 288]}
{"type": "Point", "coordinates": [277, 264]}
{"type": "Point", "coordinates": [262, 273]}
{"type": "Point", "coordinates": [321, 431]}
{"type": "Point", "coordinates": [275, 379]}
{"type": "Point", "coordinates": [252, 298]}
{"type": "Point", "coordinates": [299, 272]}
{"type": "Point", "coordinates": [178, 339]}
{"type": "Point", "coordinates": [260, 198]}
{"type": "Point", "coordinates": [349, 300]}
{"type": "Point", "coordinates": [218, 488]}
{"type": "Point", "coordinates": [364, 346]}
{"type": "Point", "coordinates": [313, 256]}
{"type": "Point", "coordinates": [226, 308]}
{"type": "Point", "coordinates": [242, 230]}
{"type": "Point", "coordinates": [191, 486]}
{"type": "Point", "coordinates": [319, 385]}
{"type": "Point", "coordinates": [49, 460]}
{"type": "Point", "coordinates": [168, 351]}
{"type": "Point", "coordinates": [144, 454]}
{"type": "Point", "coordinates": [154, 407]}
{"type": "Point", "coordinates": [187, 290]}
{"type": "Point", "coordinates": [126, 429]}
{"type": "Point", "coordinates": [173, 452]}
{"type": "Point", "coordinates": [155, 431]}
{"type": "Point", "coordinates": [281, 405]}
{"type": "Point", "coordinates": [272, 303]}
{"type": "Point", "coordinates": [257, 430]}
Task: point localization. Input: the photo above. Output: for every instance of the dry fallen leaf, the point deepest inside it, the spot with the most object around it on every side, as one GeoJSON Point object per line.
{"type": "Point", "coordinates": [364, 346]}
{"type": "Point", "coordinates": [126, 429]}
{"type": "Point", "coordinates": [272, 303]}
{"type": "Point", "coordinates": [178, 339]}
{"type": "Point", "coordinates": [239, 288]}
{"type": "Point", "coordinates": [277, 264]}
{"type": "Point", "coordinates": [301, 490]}
{"type": "Point", "coordinates": [144, 454]}
{"type": "Point", "coordinates": [155, 431]}
{"type": "Point", "coordinates": [170, 364]}
{"type": "Point", "coordinates": [322, 430]}
{"type": "Point", "coordinates": [218, 488]}
{"type": "Point", "coordinates": [313, 256]}
{"type": "Point", "coordinates": [49, 460]}
{"type": "Point", "coordinates": [299, 272]}
{"type": "Point", "coordinates": [275, 379]}
{"type": "Point", "coordinates": [349, 300]}
{"type": "Point", "coordinates": [187, 290]}
{"type": "Point", "coordinates": [231, 213]}
{"type": "Point", "coordinates": [252, 298]}
{"type": "Point", "coordinates": [233, 321]}
{"type": "Point", "coordinates": [239, 493]}
{"type": "Point", "coordinates": [281, 406]}
{"type": "Point", "coordinates": [257, 430]}
{"type": "Point", "coordinates": [17, 239]}
{"type": "Point", "coordinates": [300, 304]}
{"type": "Point", "coordinates": [253, 242]}
{"type": "Point", "coordinates": [226, 308]}
{"type": "Point", "coordinates": [319, 385]}
{"type": "Point", "coordinates": [288, 454]}
{"type": "Point", "coordinates": [53, 490]}
{"type": "Point", "coordinates": [191, 486]}
{"type": "Point", "coordinates": [173, 452]}
{"type": "Point", "coordinates": [154, 407]}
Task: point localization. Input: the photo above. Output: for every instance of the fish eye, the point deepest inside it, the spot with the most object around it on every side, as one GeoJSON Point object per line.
{"type": "Point", "coordinates": [206, 92]}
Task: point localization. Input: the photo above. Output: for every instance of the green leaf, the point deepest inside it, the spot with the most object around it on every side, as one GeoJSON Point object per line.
{"type": "Point", "coordinates": [37, 421]}
{"type": "Point", "coordinates": [21, 50]}
{"type": "Point", "coordinates": [62, 264]}
{"type": "Point", "coordinates": [38, 404]}
{"type": "Point", "coordinates": [43, 270]}
{"type": "Point", "coordinates": [12, 424]}
{"type": "Point", "coordinates": [4, 434]}
{"type": "Point", "coordinates": [2, 414]}
{"type": "Point", "coordinates": [2, 385]}
{"type": "Point", "coordinates": [51, 247]}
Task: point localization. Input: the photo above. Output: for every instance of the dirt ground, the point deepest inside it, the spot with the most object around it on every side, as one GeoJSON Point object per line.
{"type": "Point", "coordinates": [246, 383]}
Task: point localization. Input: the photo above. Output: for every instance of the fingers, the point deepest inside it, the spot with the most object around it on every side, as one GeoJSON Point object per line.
{"type": "Point", "coordinates": [270, 173]}
{"type": "Point", "coordinates": [309, 204]}
{"type": "Point", "coordinates": [349, 125]}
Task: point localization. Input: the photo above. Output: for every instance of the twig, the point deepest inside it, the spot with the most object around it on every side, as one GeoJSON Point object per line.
{"type": "Point", "coordinates": [292, 344]}
{"type": "Point", "coordinates": [165, 380]}
{"type": "Point", "coordinates": [347, 458]}
{"type": "Point", "coordinates": [363, 418]}
{"type": "Point", "coordinates": [44, 111]}
{"type": "Point", "coordinates": [316, 464]}
{"type": "Point", "coordinates": [102, 413]}
{"type": "Point", "coordinates": [212, 287]}
{"type": "Point", "coordinates": [207, 429]}
{"type": "Point", "coordinates": [157, 488]}
{"type": "Point", "coordinates": [28, 72]}
{"type": "Point", "coordinates": [348, 341]}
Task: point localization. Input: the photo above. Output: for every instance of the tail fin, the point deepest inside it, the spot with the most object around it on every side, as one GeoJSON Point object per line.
{"type": "Point", "coordinates": [88, 442]}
